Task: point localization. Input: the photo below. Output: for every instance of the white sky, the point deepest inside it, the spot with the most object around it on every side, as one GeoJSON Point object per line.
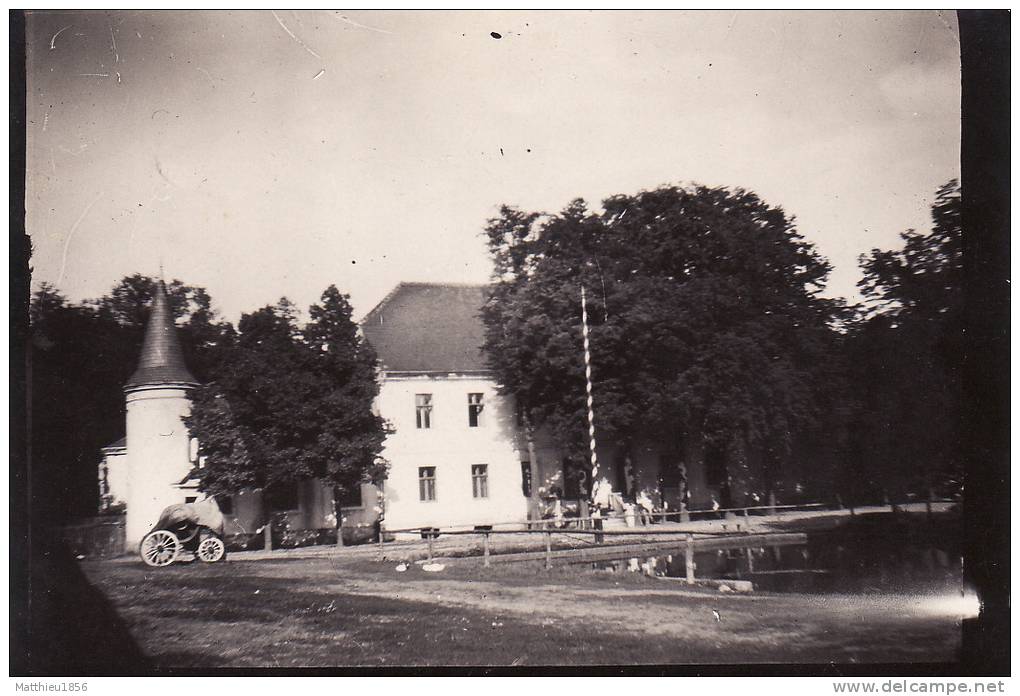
{"type": "Point", "coordinates": [261, 154]}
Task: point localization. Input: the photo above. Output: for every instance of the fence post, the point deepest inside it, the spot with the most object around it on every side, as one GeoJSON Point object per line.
{"type": "Point", "coordinates": [548, 549]}
{"type": "Point", "coordinates": [381, 552]}
{"type": "Point", "coordinates": [750, 560]}
{"type": "Point", "coordinates": [267, 533]}
{"type": "Point", "coordinates": [689, 558]}
{"type": "Point", "coordinates": [430, 537]}
{"type": "Point", "coordinates": [485, 548]}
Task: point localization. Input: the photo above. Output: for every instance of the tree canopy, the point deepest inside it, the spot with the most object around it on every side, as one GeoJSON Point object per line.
{"type": "Point", "coordinates": [291, 403]}
{"type": "Point", "coordinates": [906, 357]}
{"type": "Point", "coordinates": [706, 320]}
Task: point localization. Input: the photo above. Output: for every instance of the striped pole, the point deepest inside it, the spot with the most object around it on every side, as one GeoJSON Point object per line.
{"type": "Point", "coordinates": [596, 483]}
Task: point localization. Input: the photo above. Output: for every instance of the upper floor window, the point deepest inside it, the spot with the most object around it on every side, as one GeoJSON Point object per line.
{"type": "Point", "coordinates": [426, 483]}
{"type": "Point", "coordinates": [474, 410]}
{"type": "Point", "coordinates": [480, 480]}
{"type": "Point", "coordinates": [423, 410]}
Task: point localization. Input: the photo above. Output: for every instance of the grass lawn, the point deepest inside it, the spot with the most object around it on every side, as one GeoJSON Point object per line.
{"type": "Point", "coordinates": [334, 611]}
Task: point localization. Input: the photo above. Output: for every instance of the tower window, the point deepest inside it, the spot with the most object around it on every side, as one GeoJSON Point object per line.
{"type": "Point", "coordinates": [474, 410]}
{"type": "Point", "coordinates": [526, 479]}
{"type": "Point", "coordinates": [423, 410]}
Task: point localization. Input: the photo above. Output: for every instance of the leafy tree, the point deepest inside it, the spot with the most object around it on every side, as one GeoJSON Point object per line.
{"type": "Point", "coordinates": [291, 404]}
{"type": "Point", "coordinates": [907, 357]}
{"type": "Point", "coordinates": [706, 325]}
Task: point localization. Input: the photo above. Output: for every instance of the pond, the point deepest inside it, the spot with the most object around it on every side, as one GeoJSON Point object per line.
{"type": "Point", "coordinates": [863, 554]}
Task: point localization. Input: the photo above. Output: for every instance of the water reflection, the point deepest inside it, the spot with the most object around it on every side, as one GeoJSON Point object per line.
{"type": "Point", "coordinates": [860, 556]}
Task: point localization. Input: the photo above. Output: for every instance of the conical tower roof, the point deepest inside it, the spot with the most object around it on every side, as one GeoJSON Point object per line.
{"type": "Point", "coordinates": [162, 361]}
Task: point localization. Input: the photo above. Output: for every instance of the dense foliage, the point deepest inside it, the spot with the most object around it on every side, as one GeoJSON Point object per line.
{"type": "Point", "coordinates": [291, 403]}
{"type": "Point", "coordinates": [906, 359]}
{"type": "Point", "coordinates": [706, 324]}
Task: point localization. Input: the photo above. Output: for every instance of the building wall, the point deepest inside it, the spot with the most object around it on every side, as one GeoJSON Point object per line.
{"type": "Point", "coordinates": [452, 447]}
{"type": "Point", "coordinates": [315, 510]}
{"type": "Point", "coordinates": [157, 446]}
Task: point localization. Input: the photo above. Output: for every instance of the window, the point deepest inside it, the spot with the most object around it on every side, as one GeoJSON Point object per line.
{"type": "Point", "coordinates": [526, 479]}
{"type": "Point", "coordinates": [282, 497]}
{"type": "Point", "coordinates": [351, 498]}
{"type": "Point", "coordinates": [226, 504]}
{"type": "Point", "coordinates": [474, 410]}
{"type": "Point", "coordinates": [423, 410]}
{"type": "Point", "coordinates": [427, 483]}
{"type": "Point", "coordinates": [190, 498]}
{"type": "Point", "coordinates": [480, 480]}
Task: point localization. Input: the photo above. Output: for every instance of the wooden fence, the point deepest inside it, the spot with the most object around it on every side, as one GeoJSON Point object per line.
{"type": "Point", "coordinates": [736, 531]}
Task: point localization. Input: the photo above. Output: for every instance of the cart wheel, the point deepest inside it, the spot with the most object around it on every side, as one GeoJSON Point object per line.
{"type": "Point", "coordinates": [159, 548]}
{"type": "Point", "coordinates": [211, 549]}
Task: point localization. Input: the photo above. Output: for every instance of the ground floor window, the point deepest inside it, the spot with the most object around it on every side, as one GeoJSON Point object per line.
{"type": "Point", "coordinates": [576, 479]}
{"type": "Point", "coordinates": [480, 480]}
{"type": "Point", "coordinates": [427, 483]}
{"type": "Point", "coordinates": [282, 497]}
{"type": "Point", "coordinates": [351, 498]}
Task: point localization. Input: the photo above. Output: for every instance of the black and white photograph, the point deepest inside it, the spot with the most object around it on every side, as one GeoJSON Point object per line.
{"type": "Point", "coordinates": [510, 342]}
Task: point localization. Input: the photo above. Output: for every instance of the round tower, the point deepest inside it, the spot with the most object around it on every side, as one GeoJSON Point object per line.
{"type": "Point", "coordinates": [158, 449]}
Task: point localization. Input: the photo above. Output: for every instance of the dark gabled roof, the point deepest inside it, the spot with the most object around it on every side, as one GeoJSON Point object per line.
{"type": "Point", "coordinates": [429, 327]}
{"type": "Point", "coordinates": [162, 361]}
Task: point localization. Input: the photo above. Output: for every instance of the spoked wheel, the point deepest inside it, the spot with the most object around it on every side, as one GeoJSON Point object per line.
{"type": "Point", "coordinates": [211, 550]}
{"type": "Point", "coordinates": [159, 548]}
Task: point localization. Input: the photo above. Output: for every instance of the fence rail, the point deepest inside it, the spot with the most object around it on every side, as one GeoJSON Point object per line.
{"type": "Point", "coordinates": [593, 526]}
{"type": "Point", "coordinates": [528, 525]}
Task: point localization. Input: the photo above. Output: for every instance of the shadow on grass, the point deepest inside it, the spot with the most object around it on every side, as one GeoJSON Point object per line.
{"type": "Point", "coordinates": [71, 626]}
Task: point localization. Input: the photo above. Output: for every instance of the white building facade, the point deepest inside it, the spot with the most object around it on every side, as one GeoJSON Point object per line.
{"type": "Point", "coordinates": [454, 457]}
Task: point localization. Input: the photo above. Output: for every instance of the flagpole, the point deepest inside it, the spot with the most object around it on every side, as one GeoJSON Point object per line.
{"type": "Point", "coordinates": [596, 493]}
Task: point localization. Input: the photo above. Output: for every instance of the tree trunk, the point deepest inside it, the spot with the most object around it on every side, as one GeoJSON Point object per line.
{"type": "Point", "coordinates": [534, 502]}
{"type": "Point", "coordinates": [339, 516]}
